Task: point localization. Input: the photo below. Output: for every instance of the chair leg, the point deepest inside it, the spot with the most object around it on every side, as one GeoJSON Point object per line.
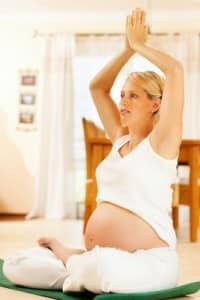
{"type": "Point", "coordinates": [175, 216]}
{"type": "Point", "coordinates": [175, 205]}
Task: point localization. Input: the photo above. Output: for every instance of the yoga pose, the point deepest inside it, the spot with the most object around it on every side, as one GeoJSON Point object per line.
{"type": "Point", "coordinates": [130, 243]}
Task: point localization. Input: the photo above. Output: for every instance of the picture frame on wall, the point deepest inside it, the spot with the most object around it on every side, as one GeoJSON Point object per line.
{"type": "Point", "coordinates": [26, 117]}
{"type": "Point", "coordinates": [27, 99]}
{"type": "Point", "coordinates": [28, 80]}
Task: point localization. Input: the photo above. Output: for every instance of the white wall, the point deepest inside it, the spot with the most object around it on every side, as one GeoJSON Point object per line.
{"type": "Point", "coordinates": [18, 149]}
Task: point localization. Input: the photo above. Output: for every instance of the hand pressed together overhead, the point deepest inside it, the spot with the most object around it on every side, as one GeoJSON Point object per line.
{"type": "Point", "coordinates": [136, 28]}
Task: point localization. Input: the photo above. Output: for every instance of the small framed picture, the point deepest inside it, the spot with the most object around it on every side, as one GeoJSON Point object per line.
{"type": "Point", "coordinates": [28, 99]}
{"type": "Point", "coordinates": [26, 118]}
{"type": "Point", "coordinates": [28, 80]}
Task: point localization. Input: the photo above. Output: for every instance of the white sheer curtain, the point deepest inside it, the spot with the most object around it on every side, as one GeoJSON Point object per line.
{"type": "Point", "coordinates": [54, 187]}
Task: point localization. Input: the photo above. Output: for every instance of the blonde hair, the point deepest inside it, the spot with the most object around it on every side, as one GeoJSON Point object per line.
{"type": "Point", "coordinates": [150, 82]}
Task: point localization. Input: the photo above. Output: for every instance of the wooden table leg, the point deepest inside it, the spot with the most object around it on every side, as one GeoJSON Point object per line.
{"type": "Point", "coordinates": [194, 194]}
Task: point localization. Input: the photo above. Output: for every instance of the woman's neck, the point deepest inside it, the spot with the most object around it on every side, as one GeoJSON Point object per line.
{"type": "Point", "coordinates": [138, 134]}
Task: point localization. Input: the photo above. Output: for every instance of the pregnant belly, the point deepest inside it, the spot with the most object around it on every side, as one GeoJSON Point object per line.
{"type": "Point", "coordinates": [114, 226]}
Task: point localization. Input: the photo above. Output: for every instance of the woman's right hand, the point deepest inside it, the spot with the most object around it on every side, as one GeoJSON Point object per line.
{"type": "Point", "coordinates": [127, 44]}
{"type": "Point", "coordinates": [136, 28]}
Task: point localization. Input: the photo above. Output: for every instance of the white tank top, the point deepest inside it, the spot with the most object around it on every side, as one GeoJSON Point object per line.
{"type": "Point", "coordinates": [140, 182]}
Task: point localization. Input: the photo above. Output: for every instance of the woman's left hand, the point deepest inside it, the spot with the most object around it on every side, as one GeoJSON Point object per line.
{"type": "Point", "coordinates": [136, 29]}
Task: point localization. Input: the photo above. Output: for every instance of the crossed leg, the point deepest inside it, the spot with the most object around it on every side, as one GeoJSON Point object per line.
{"type": "Point", "coordinates": [99, 270]}
{"type": "Point", "coordinates": [40, 267]}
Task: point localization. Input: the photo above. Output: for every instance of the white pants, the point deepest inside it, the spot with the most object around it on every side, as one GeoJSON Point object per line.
{"type": "Point", "coordinates": [98, 270]}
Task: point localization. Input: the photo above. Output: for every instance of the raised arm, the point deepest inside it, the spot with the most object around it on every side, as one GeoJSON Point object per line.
{"type": "Point", "coordinates": [100, 88]}
{"type": "Point", "coordinates": [167, 133]}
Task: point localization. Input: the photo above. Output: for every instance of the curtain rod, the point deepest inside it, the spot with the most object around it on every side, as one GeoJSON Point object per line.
{"type": "Point", "coordinates": [116, 34]}
{"type": "Point", "coordinates": [121, 34]}
{"type": "Point", "coordinates": [36, 33]}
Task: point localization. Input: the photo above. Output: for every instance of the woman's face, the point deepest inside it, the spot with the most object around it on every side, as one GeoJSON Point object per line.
{"type": "Point", "coordinates": [134, 105]}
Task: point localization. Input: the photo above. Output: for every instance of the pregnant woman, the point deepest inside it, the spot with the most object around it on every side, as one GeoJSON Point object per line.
{"type": "Point", "coordinates": [130, 243]}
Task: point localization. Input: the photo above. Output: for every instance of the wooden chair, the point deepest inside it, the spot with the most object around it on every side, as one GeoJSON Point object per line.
{"type": "Point", "coordinates": [97, 147]}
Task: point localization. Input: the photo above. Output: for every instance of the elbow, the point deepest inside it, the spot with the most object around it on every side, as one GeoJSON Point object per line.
{"type": "Point", "coordinates": [175, 67]}
{"type": "Point", "coordinates": [178, 66]}
{"type": "Point", "coordinates": [96, 87]}
{"type": "Point", "coordinates": [93, 86]}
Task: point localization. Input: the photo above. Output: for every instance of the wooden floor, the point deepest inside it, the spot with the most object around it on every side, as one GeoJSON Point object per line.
{"type": "Point", "coordinates": [18, 234]}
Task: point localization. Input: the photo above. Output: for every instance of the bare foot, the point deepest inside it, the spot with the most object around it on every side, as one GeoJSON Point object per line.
{"type": "Point", "coordinates": [47, 242]}
{"type": "Point", "coordinates": [61, 252]}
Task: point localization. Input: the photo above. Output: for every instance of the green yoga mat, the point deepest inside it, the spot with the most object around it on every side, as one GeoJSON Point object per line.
{"type": "Point", "coordinates": [176, 292]}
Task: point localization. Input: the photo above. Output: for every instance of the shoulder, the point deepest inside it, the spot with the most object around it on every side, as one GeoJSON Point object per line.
{"type": "Point", "coordinates": [167, 146]}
